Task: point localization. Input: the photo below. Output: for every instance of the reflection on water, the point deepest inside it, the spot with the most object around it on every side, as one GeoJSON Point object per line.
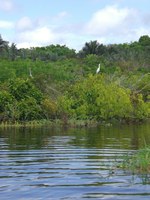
{"type": "Point", "coordinates": [70, 164]}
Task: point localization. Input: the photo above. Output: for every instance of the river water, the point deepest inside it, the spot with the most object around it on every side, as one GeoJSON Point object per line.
{"type": "Point", "coordinates": [71, 164]}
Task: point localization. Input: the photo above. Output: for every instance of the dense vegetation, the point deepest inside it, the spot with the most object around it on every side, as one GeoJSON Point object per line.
{"type": "Point", "coordinates": [55, 82]}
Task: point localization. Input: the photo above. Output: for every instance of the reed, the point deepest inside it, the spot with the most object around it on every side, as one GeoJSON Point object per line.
{"type": "Point", "coordinates": [138, 162]}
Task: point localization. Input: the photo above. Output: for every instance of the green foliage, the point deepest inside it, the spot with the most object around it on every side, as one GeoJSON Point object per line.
{"type": "Point", "coordinates": [49, 108]}
{"type": "Point", "coordinates": [138, 83]}
{"type": "Point", "coordinates": [138, 162]}
{"type": "Point", "coordinates": [143, 85]}
{"type": "Point", "coordinates": [13, 52]}
{"type": "Point", "coordinates": [22, 89]}
{"type": "Point", "coordinates": [92, 59]}
{"type": "Point", "coordinates": [65, 85]}
{"type": "Point", "coordinates": [141, 108]}
{"type": "Point", "coordinates": [144, 40]}
{"type": "Point", "coordinates": [3, 48]}
{"type": "Point", "coordinates": [8, 110]}
{"type": "Point", "coordinates": [29, 109]}
{"type": "Point", "coordinates": [5, 100]}
{"type": "Point", "coordinates": [92, 47]}
{"type": "Point", "coordinates": [51, 52]}
{"type": "Point", "coordinates": [96, 98]}
{"type": "Point", "coordinates": [6, 73]}
{"type": "Point", "coordinates": [21, 101]}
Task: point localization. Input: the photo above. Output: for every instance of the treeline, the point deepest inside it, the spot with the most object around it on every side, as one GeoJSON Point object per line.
{"type": "Point", "coordinates": [128, 55]}
{"type": "Point", "coordinates": [55, 82]}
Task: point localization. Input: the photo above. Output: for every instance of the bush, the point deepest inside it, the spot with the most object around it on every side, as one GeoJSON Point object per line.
{"type": "Point", "coordinates": [98, 99]}
{"type": "Point", "coordinates": [24, 88]}
{"type": "Point", "coordinates": [49, 108]}
{"type": "Point", "coordinates": [6, 102]}
{"type": "Point", "coordinates": [29, 109]}
{"type": "Point", "coordinates": [21, 101]}
{"type": "Point", "coordinates": [141, 109]}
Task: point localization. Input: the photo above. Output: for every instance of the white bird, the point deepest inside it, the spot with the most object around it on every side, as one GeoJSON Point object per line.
{"type": "Point", "coordinates": [98, 69]}
{"type": "Point", "coordinates": [30, 73]}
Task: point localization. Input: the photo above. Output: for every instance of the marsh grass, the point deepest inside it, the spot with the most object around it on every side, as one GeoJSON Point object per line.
{"type": "Point", "coordinates": [52, 123]}
{"type": "Point", "coordinates": [138, 164]}
{"type": "Point", "coordinates": [34, 123]}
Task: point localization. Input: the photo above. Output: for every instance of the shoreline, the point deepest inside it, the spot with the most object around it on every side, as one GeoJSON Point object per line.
{"type": "Point", "coordinates": [72, 123]}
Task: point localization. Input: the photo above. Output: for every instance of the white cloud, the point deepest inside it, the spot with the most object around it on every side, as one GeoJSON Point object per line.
{"type": "Point", "coordinates": [117, 25]}
{"type": "Point", "coordinates": [108, 25]}
{"type": "Point", "coordinates": [24, 23]}
{"type": "Point", "coordinates": [30, 33]}
{"type": "Point", "coordinates": [110, 20]}
{"type": "Point", "coordinates": [6, 24]}
{"type": "Point", "coordinates": [40, 36]}
{"type": "Point", "coordinates": [62, 15]}
{"type": "Point", "coordinates": [60, 18]}
{"type": "Point", "coordinates": [142, 31]}
{"type": "Point", "coordinates": [6, 5]}
{"type": "Point", "coordinates": [44, 35]}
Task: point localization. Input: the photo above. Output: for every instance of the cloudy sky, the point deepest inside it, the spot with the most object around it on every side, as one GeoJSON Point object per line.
{"type": "Point", "coordinates": [31, 23]}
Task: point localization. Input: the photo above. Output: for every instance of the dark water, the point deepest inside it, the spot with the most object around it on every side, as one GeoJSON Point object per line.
{"type": "Point", "coordinates": [70, 164]}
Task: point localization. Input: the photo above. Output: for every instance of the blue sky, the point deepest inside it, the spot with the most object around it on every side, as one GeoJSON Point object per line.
{"type": "Point", "coordinates": [30, 23]}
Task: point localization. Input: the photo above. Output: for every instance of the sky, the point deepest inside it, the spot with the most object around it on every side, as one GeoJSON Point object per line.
{"type": "Point", "coordinates": [32, 23]}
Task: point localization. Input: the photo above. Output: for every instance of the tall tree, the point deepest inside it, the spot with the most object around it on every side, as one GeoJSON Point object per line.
{"type": "Point", "coordinates": [13, 51]}
{"type": "Point", "coordinates": [144, 40]}
{"type": "Point", "coordinates": [3, 46]}
{"type": "Point", "coordinates": [92, 47]}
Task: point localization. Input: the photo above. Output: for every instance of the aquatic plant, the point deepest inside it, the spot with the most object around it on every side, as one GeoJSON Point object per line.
{"type": "Point", "coordinates": [138, 164]}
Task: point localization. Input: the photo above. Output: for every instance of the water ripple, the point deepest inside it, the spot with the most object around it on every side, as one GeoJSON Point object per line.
{"type": "Point", "coordinates": [63, 170]}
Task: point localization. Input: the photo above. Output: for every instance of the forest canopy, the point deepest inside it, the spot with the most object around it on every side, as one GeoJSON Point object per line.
{"type": "Point", "coordinates": [56, 82]}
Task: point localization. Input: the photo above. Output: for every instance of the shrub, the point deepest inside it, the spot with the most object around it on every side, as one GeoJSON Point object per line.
{"type": "Point", "coordinates": [29, 109]}
{"type": "Point", "coordinates": [96, 98]}
{"type": "Point", "coordinates": [49, 108]}
{"type": "Point", "coordinates": [24, 88]}
{"type": "Point", "coordinates": [141, 109]}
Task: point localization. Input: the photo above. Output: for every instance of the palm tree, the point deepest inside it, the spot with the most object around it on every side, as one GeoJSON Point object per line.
{"type": "Point", "coordinates": [92, 47]}
{"type": "Point", "coordinates": [3, 45]}
{"type": "Point", "coordinates": [13, 51]}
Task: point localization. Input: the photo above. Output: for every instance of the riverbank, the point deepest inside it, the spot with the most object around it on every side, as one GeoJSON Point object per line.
{"type": "Point", "coordinates": [53, 123]}
{"type": "Point", "coordinates": [73, 123]}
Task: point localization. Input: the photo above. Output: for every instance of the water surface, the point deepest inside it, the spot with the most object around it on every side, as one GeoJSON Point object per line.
{"type": "Point", "coordinates": [70, 164]}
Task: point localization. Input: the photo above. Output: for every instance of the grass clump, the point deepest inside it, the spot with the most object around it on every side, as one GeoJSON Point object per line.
{"type": "Point", "coordinates": [138, 162]}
